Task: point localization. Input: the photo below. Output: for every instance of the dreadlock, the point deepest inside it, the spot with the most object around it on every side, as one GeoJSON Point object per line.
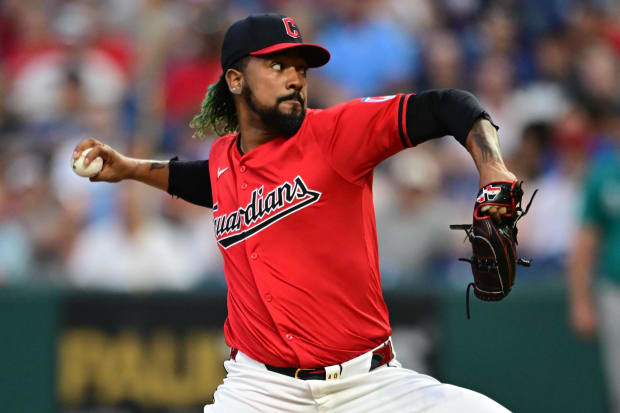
{"type": "Point", "coordinates": [217, 111]}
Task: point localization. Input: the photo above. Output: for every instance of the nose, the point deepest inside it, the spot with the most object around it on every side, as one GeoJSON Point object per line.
{"type": "Point", "coordinates": [295, 78]}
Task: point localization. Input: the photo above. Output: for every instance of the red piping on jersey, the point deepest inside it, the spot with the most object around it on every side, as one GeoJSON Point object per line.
{"type": "Point", "coordinates": [404, 118]}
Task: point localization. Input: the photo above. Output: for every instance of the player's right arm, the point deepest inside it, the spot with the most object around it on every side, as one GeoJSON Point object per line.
{"type": "Point", "coordinates": [188, 180]}
{"type": "Point", "coordinates": [117, 167]}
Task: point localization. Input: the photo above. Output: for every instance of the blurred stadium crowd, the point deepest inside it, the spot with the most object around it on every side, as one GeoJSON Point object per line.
{"type": "Point", "coordinates": [133, 73]}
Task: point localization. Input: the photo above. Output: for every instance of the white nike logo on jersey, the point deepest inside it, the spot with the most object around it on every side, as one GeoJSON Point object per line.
{"type": "Point", "coordinates": [220, 172]}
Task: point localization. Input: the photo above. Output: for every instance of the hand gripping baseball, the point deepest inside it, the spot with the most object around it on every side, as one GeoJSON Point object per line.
{"type": "Point", "coordinates": [494, 240]}
{"type": "Point", "coordinates": [116, 167]}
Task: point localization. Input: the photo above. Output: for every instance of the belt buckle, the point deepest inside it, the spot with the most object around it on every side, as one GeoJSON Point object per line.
{"type": "Point", "coordinates": [300, 370]}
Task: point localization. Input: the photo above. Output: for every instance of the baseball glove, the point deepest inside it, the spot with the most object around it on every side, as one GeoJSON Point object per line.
{"type": "Point", "coordinates": [494, 241]}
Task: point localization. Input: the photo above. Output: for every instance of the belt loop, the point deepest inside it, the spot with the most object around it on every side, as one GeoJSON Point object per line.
{"type": "Point", "coordinates": [333, 372]}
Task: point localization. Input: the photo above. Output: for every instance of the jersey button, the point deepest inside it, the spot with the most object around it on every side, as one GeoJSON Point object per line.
{"type": "Point", "coordinates": [244, 185]}
{"type": "Point", "coordinates": [289, 337]}
{"type": "Point", "coordinates": [268, 297]}
{"type": "Point", "coordinates": [254, 255]}
{"type": "Point", "coordinates": [243, 168]}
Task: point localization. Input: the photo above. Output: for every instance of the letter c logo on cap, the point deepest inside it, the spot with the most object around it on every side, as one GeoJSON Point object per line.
{"type": "Point", "coordinates": [291, 27]}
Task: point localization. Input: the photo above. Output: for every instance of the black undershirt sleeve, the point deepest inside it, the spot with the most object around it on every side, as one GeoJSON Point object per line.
{"type": "Point", "coordinates": [438, 112]}
{"type": "Point", "coordinates": [190, 180]}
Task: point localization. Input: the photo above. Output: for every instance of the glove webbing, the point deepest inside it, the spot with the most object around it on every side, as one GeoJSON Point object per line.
{"type": "Point", "coordinates": [520, 213]}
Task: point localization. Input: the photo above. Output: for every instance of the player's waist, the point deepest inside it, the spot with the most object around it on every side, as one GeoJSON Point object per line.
{"type": "Point", "coordinates": [377, 357]}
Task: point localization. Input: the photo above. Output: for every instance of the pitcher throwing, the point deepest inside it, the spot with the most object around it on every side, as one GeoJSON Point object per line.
{"type": "Point", "coordinates": [291, 194]}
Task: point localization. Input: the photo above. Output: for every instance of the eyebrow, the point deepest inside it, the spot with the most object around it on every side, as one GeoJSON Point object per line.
{"type": "Point", "coordinates": [283, 54]}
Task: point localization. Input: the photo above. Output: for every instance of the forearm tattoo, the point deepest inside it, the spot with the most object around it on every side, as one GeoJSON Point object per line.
{"type": "Point", "coordinates": [486, 144]}
{"type": "Point", "coordinates": [157, 165]}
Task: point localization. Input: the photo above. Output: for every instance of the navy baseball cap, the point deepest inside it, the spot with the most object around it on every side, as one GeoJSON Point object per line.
{"type": "Point", "coordinates": [261, 34]}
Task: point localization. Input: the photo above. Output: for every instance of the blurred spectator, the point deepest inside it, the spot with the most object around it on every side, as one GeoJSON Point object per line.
{"type": "Point", "coordinates": [413, 232]}
{"type": "Point", "coordinates": [133, 250]}
{"type": "Point", "coordinates": [9, 123]}
{"type": "Point", "coordinates": [598, 81]}
{"type": "Point", "coordinates": [557, 180]}
{"type": "Point", "coordinates": [584, 24]}
{"type": "Point", "coordinates": [594, 276]}
{"type": "Point", "coordinates": [370, 54]}
{"type": "Point", "coordinates": [443, 62]}
{"type": "Point", "coordinates": [460, 13]}
{"type": "Point", "coordinates": [8, 11]}
{"type": "Point", "coordinates": [418, 17]}
{"type": "Point", "coordinates": [153, 41]}
{"type": "Point", "coordinates": [544, 99]}
{"type": "Point", "coordinates": [498, 32]}
{"type": "Point", "coordinates": [191, 70]}
{"type": "Point", "coordinates": [193, 227]}
{"type": "Point", "coordinates": [532, 158]}
{"type": "Point", "coordinates": [27, 33]}
{"type": "Point", "coordinates": [611, 26]}
{"type": "Point", "coordinates": [70, 117]}
{"type": "Point", "coordinates": [30, 206]}
{"type": "Point", "coordinates": [552, 59]}
{"type": "Point", "coordinates": [16, 250]}
{"type": "Point", "coordinates": [38, 71]}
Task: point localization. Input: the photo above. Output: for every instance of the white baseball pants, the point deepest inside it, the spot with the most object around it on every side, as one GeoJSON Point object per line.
{"type": "Point", "coordinates": [250, 388]}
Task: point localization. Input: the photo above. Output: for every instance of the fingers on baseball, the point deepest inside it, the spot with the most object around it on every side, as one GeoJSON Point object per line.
{"type": "Point", "coordinates": [85, 144]}
{"type": "Point", "coordinates": [102, 175]}
{"type": "Point", "coordinates": [97, 151]}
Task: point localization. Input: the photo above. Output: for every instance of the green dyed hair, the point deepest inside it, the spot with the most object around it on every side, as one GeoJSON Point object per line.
{"type": "Point", "coordinates": [217, 111]}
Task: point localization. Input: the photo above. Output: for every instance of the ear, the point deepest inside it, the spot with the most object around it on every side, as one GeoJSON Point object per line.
{"type": "Point", "coordinates": [234, 79]}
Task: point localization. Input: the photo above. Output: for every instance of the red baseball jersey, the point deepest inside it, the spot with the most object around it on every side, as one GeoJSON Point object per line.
{"type": "Point", "coordinates": [295, 222]}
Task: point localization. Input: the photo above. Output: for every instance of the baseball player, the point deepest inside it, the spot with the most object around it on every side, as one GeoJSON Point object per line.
{"type": "Point", "coordinates": [291, 194]}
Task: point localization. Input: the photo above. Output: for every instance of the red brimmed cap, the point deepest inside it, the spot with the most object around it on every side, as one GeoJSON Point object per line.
{"type": "Point", "coordinates": [261, 34]}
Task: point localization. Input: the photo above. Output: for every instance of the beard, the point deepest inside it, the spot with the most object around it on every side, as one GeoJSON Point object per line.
{"type": "Point", "coordinates": [283, 124]}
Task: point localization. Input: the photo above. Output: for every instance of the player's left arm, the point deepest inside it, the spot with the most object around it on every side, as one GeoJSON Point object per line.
{"type": "Point", "coordinates": [439, 112]}
{"type": "Point", "coordinates": [483, 145]}
{"type": "Point", "coordinates": [358, 135]}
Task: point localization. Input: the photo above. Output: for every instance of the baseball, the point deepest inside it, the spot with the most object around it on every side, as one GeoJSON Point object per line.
{"type": "Point", "coordinates": [89, 170]}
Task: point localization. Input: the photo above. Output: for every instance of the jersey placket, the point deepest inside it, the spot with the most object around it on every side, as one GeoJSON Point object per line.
{"type": "Point", "coordinates": [246, 185]}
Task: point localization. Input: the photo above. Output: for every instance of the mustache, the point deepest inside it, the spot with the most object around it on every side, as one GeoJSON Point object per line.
{"type": "Point", "coordinates": [293, 96]}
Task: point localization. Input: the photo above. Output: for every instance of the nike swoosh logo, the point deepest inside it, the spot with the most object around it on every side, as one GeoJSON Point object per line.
{"type": "Point", "coordinates": [220, 172]}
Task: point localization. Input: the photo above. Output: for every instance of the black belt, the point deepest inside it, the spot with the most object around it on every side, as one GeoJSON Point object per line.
{"type": "Point", "coordinates": [380, 356]}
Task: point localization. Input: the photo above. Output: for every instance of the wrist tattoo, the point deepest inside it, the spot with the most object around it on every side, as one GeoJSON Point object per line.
{"type": "Point", "coordinates": [489, 149]}
{"type": "Point", "coordinates": [157, 165]}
